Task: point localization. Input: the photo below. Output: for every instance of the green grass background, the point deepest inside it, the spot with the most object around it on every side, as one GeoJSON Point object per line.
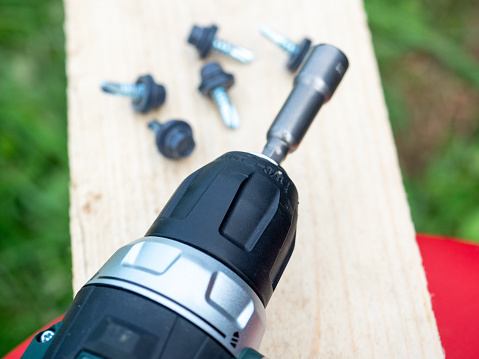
{"type": "Point", "coordinates": [428, 56]}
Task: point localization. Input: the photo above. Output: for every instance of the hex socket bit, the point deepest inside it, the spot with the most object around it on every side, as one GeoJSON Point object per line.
{"type": "Point", "coordinates": [313, 86]}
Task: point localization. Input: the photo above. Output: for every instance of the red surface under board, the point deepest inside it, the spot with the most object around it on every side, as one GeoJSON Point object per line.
{"type": "Point", "coordinates": [452, 272]}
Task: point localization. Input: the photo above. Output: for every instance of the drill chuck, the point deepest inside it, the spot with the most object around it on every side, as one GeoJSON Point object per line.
{"type": "Point", "coordinates": [313, 86]}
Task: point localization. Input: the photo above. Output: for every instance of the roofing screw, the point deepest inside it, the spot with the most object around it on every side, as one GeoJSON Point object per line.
{"type": "Point", "coordinates": [214, 83]}
{"type": "Point", "coordinates": [145, 93]}
{"type": "Point", "coordinates": [297, 51]}
{"type": "Point", "coordinates": [204, 39]}
{"type": "Point", "coordinates": [174, 138]}
{"type": "Point", "coordinates": [47, 335]}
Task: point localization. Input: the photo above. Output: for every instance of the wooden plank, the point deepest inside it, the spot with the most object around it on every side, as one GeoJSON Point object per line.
{"type": "Point", "coordinates": [355, 287]}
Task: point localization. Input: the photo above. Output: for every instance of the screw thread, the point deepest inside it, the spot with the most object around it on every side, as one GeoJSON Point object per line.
{"type": "Point", "coordinates": [155, 126]}
{"type": "Point", "coordinates": [279, 39]}
{"type": "Point", "coordinates": [239, 53]}
{"type": "Point", "coordinates": [228, 112]}
{"type": "Point", "coordinates": [130, 90]}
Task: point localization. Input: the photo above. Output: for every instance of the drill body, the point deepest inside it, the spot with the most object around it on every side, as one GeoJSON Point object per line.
{"type": "Point", "coordinates": [199, 281]}
{"type": "Point", "coordinates": [196, 286]}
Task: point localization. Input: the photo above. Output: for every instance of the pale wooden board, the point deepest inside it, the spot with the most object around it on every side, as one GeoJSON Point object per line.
{"type": "Point", "coordinates": [355, 287]}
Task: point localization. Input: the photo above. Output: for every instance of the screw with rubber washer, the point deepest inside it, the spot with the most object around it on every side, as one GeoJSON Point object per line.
{"type": "Point", "coordinates": [297, 52]}
{"type": "Point", "coordinates": [145, 93]}
{"type": "Point", "coordinates": [214, 83]}
{"type": "Point", "coordinates": [174, 138]}
{"type": "Point", "coordinates": [204, 39]}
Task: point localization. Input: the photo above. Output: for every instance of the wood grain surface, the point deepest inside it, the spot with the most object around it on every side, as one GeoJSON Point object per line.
{"type": "Point", "coordinates": [355, 286]}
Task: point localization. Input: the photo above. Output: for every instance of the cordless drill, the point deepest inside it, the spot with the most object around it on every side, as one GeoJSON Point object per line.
{"type": "Point", "coordinates": [196, 286]}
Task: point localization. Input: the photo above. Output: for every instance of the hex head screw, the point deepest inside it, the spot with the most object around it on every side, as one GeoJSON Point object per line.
{"type": "Point", "coordinates": [214, 83]}
{"type": "Point", "coordinates": [297, 52]}
{"type": "Point", "coordinates": [174, 138]}
{"type": "Point", "coordinates": [204, 39]}
{"type": "Point", "coordinates": [145, 93]}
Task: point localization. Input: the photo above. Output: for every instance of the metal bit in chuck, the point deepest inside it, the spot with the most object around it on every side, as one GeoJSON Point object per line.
{"type": "Point", "coordinates": [314, 85]}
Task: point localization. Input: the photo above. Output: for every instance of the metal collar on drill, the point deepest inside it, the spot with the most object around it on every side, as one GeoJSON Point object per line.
{"type": "Point", "coordinates": [174, 275]}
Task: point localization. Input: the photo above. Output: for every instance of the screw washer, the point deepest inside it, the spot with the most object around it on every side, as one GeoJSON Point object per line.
{"type": "Point", "coordinates": [214, 83]}
{"type": "Point", "coordinates": [145, 94]}
{"type": "Point", "coordinates": [174, 138]}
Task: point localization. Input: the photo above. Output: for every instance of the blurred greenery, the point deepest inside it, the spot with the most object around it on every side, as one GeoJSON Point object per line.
{"type": "Point", "coordinates": [428, 58]}
{"type": "Point", "coordinates": [35, 259]}
{"type": "Point", "coordinates": [427, 52]}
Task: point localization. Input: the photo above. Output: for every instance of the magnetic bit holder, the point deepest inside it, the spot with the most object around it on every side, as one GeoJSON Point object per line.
{"type": "Point", "coordinates": [145, 93]}
{"type": "Point", "coordinates": [313, 86]}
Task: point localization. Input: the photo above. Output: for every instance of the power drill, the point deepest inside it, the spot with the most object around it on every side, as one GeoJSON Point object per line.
{"type": "Point", "coordinates": [196, 286]}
